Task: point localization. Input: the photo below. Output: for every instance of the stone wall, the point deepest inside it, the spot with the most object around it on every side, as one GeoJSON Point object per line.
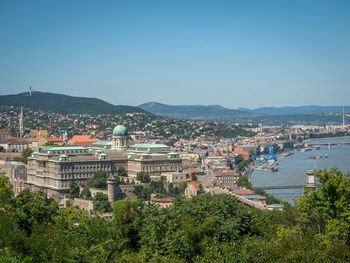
{"type": "Point", "coordinates": [121, 192]}
{"type": "Point", "coordinates": [85, 205]}
{"type": "Point", "coordinates": [128, 191]}
{"type": "Point", "coordinates": [94, 191]}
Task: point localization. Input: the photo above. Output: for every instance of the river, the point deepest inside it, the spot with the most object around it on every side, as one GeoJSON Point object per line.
{"type": "Point", "coordinates": [292, 169]}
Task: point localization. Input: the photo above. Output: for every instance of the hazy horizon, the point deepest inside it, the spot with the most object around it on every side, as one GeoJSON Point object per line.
{"type": "Point", "coordinates": [238, 54]}
{"type": "Point", "coordinates": [237, 108]}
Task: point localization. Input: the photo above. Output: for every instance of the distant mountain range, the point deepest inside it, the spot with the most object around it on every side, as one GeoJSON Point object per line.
{"type": "Point", "coordinates": [69, 104]}
{"type": "Point", "coordinates": [271, 115]}
{"type": "Point", "coordinates": [210, 112]}
{"type": "Point", "coordinates": [189, 111]}
{"type": "Point", "coordinates": [65, 104]}
{"type": "Point", "coordinates": [312, 109]}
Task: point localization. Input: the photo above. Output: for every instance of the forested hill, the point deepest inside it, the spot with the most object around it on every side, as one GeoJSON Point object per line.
{"type": "Point", "coordinates": [65, 104]}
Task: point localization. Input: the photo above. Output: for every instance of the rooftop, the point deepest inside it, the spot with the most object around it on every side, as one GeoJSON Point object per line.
{"type": "Point", "coordinates": [101, 143]}
{"type": "Point", "coordinates": [54, 139]}
{"type": "Point", "coordinates": [120, 130]}
{"type": "Point", "coordinates": [243, 192]}
{"type": "Point", "coordinates": [63, 148]}
{"type": "Point", "coordinates": [148, 145]}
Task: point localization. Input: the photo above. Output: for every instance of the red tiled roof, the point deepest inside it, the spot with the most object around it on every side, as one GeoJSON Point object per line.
{"type": "Point", "coordinates": [82, 140]}
{"type": "Point", "coordinates": [243, 192]}
{"type": "Point", "coordinates": [227, 173]}
{"type": "Point", "coordinates": [37, 137]}
{"type": "Point", "coordinates": [54, 140]}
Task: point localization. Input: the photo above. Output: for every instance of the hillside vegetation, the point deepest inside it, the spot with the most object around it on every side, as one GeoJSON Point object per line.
{"type": "Point", "coordinates": [207, 228]}
{"type": "Point", "coordinates": [65, 104]}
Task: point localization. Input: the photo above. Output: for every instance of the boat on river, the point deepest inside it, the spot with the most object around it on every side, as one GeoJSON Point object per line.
{"type": "Point", "coordinates": [267, 168]}
{"type": "Point", "coordinates": [306, 150]}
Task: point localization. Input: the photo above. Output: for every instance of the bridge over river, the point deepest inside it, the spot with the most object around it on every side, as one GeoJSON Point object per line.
{"type": "Point", "coordinates": [329, 144]}
{"type": "Point", "coordinates": [279, 187]}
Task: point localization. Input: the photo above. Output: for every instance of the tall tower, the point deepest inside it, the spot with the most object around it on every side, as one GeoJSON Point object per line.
{"type": "Point", "coordinates": [343, 119]}
{"type": "Point", "coordinates": [111, 189]}
{"type": "Point", "coordinates": [21, 125]}
{"type": "Point", "coordinates": [30, 90]}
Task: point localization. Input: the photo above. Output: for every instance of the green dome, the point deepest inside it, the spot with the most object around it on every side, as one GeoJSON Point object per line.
{"type": "Point", "coordinates": [120, 130]}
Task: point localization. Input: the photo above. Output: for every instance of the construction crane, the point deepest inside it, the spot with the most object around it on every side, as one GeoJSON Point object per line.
{"type": "Point", "coordinates": [192, 173]}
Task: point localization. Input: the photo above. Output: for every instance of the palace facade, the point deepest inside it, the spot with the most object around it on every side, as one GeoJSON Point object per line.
{"type": "Point", "coordinates": [52, 169]}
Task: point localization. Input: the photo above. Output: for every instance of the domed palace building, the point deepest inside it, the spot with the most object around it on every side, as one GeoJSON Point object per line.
{"type": "Point", "coordinates": [52, 169]}
{"type": "Point", "coordinates": [120, 138]}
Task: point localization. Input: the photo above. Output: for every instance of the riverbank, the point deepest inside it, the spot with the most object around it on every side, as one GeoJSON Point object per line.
{"type": "Point", "coordinates": [292, 169]}
{"type": "Point", "coordinates": [281, 153]}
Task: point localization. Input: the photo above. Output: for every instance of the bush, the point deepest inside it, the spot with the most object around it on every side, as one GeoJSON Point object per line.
{"type": "Point", "coordinates": [143, 177]}
{"type": "Point", "coordinates": [99, 180]}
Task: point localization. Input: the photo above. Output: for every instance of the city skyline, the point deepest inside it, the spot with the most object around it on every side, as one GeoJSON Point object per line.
{"type": "Point", "coordinates": [235, 54]}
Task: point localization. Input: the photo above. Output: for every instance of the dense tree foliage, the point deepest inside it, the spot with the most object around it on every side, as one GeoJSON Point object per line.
{"type": "Point", "coordinates": [326, 210]}
{"type": "Point", "coordinates": [122, 172]}
{"type": "Point", "coordinates": [74, 190]}
{"type": "Point", "coordinates": [143, 177]}
{"type": "Point", "coordinates": [203, 229]}
{"type": "Point", "coordinates": [101, 203]}
{"type": "Point", "coordinates": [85, 193]}
{"type": "Point", "coordinates": [269, 198]}
{"type": "Point", "coordinates": [158, 188]}
{"type": "Point", "coordinates": [99, 180]}
{"type": "Point", "coordinates": [244, 182]}
{"type": "Point", "coordinates": [142, 192]}
{"type": "Point", "coordinates": [243, 164]}
{"type": "Point", "coordinates": [6, 192]}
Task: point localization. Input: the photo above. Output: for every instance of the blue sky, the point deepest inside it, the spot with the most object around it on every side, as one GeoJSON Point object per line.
{"type": "Point", "coordinates": [233, 53]}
